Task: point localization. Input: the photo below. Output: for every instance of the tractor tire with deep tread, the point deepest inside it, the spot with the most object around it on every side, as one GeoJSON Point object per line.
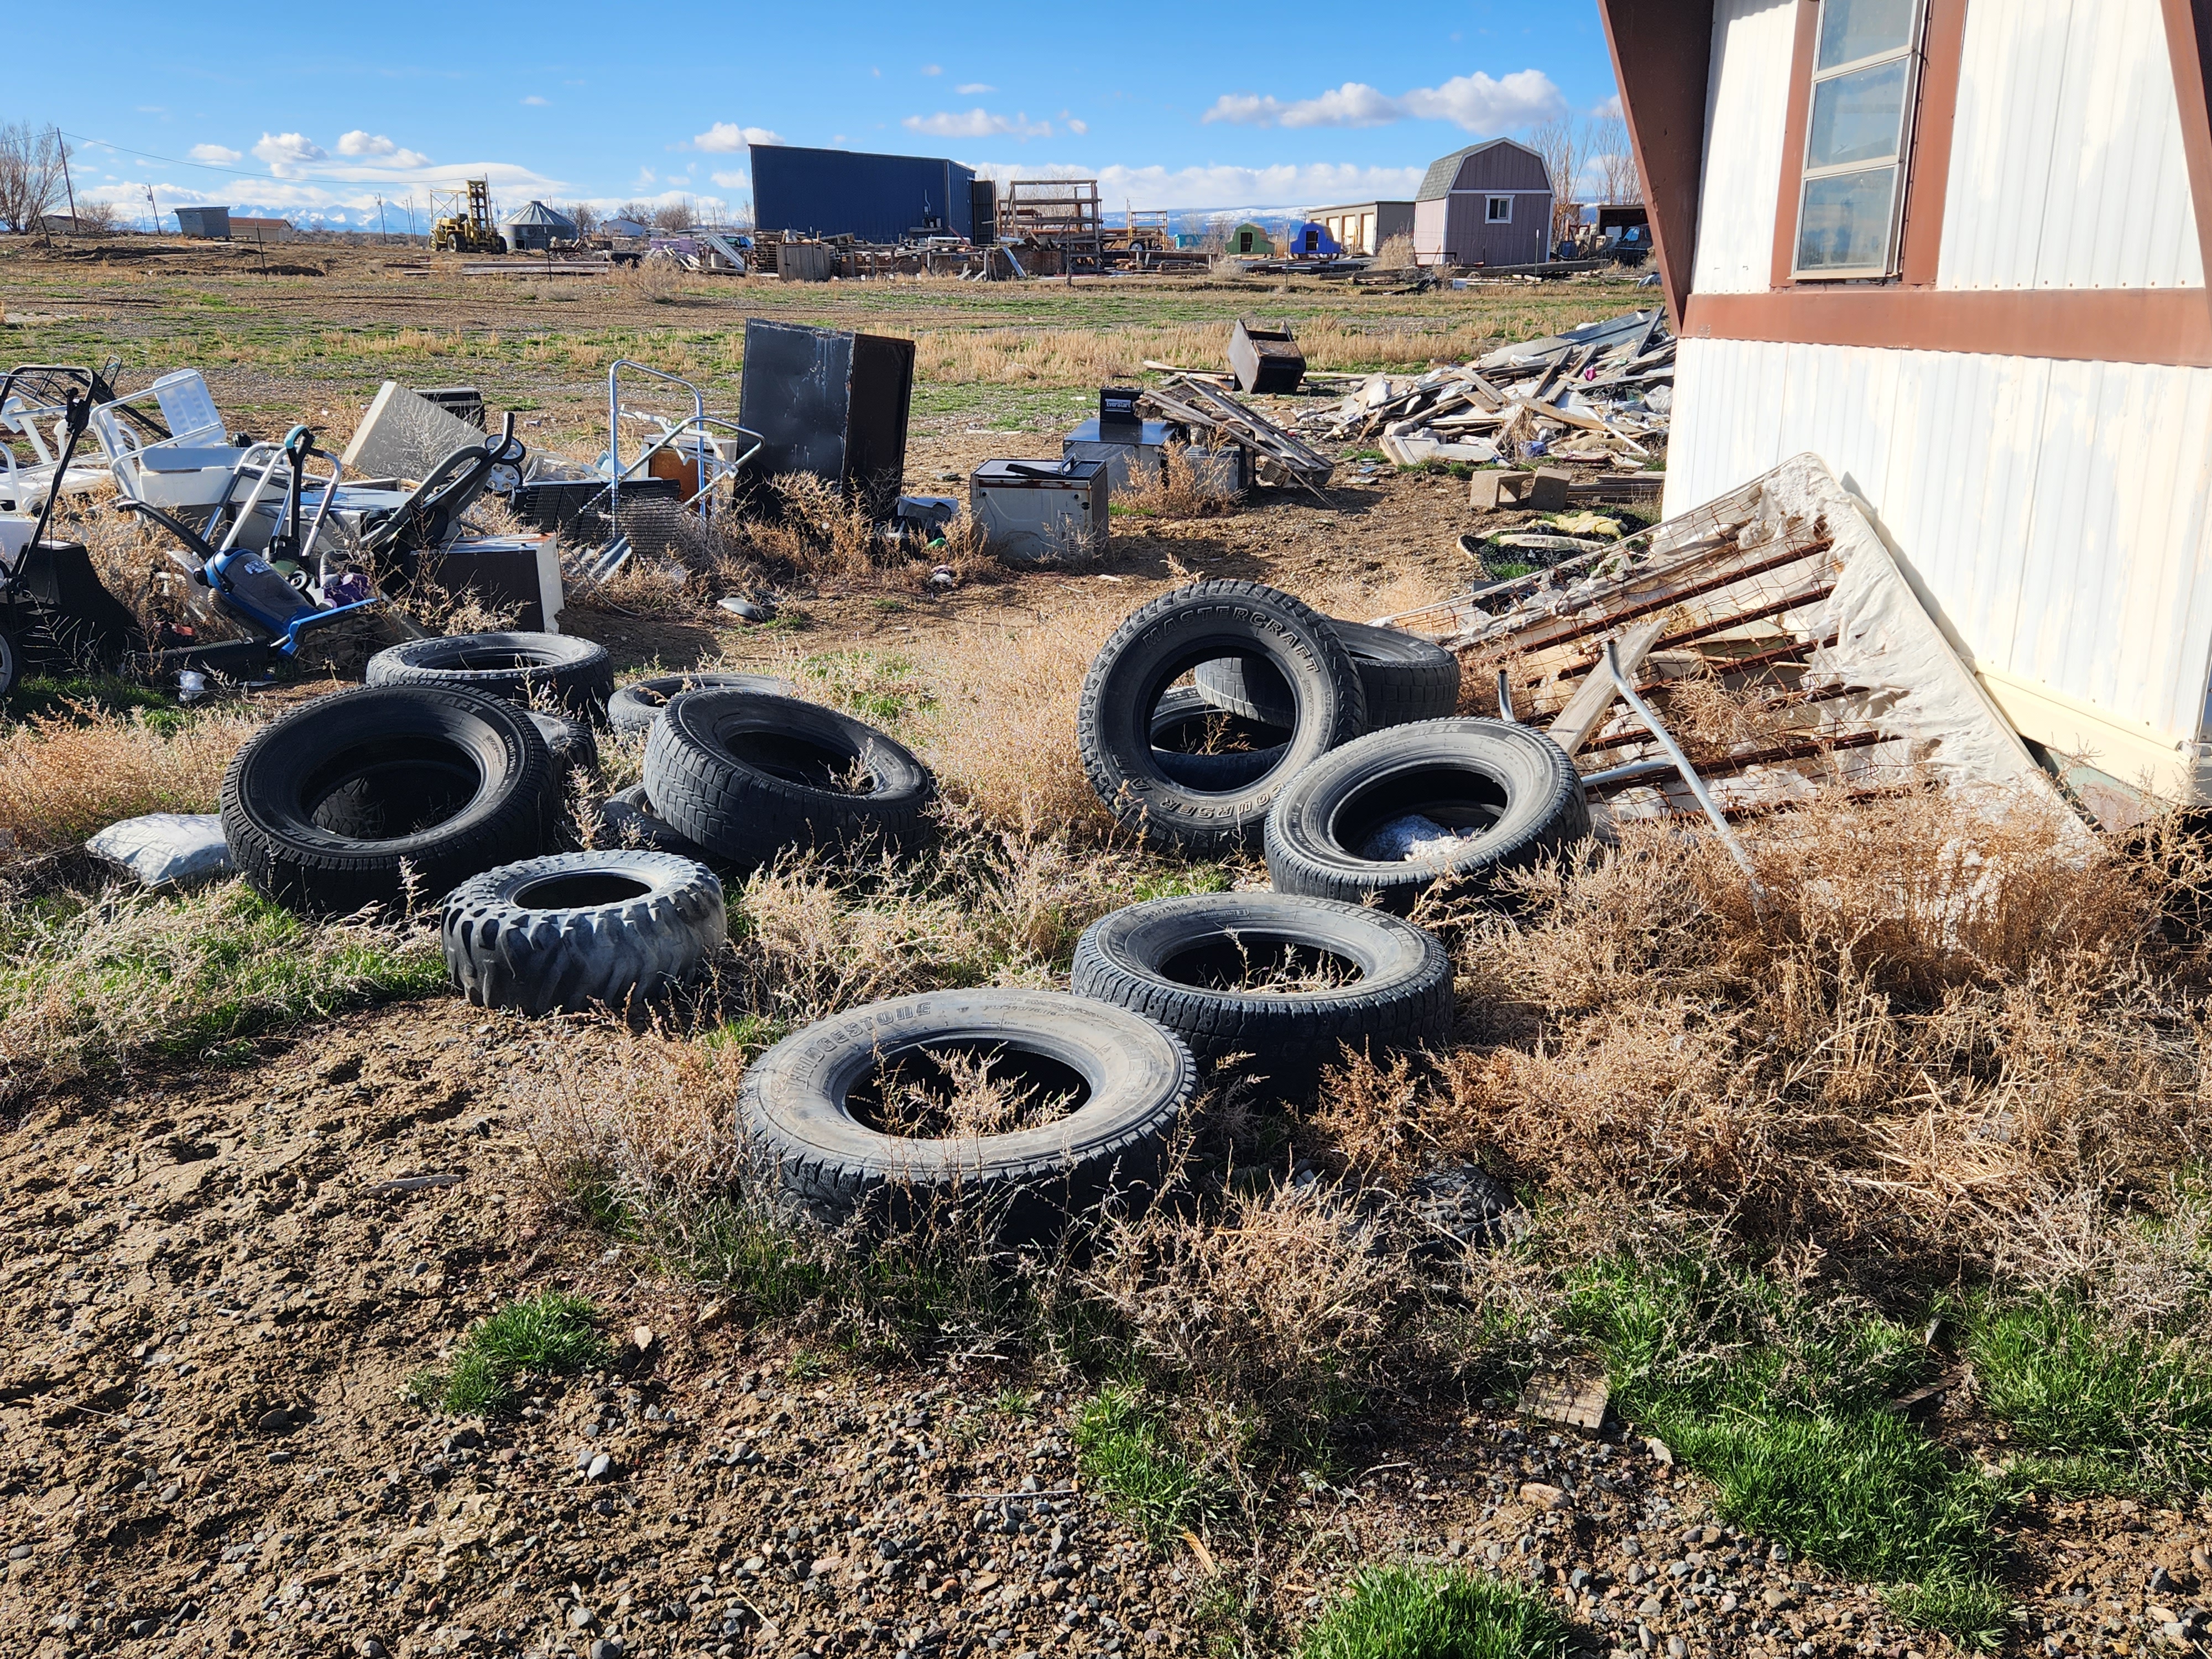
{"type": "Point", "coordinates": [1511, 783]}
{"type": "Point", "coordinates": [798, 1126]}
{"type": "Point", "coordinates": [1163, 641]}
{"type": "Point", "coordinates": [576, 674]}
{"type": "Point", "coordinates": [747, 774]}
{"type": "Point", "coordinates": [1179, 961]}
{"type": "Point", "coordinates": [637, 705]}
{"type": "Point", "coordinates": [583, 930]}
{"type": "Point", "coordinates": [368, 797]}
{"type": "Point", "coordinates": [1405, 677]}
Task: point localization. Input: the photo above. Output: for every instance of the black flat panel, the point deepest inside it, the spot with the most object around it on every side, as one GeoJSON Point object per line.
{"type": "Point", "coordinates": [832, 403]}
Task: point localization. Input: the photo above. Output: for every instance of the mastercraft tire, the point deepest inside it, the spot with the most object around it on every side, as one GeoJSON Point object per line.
{"type": "Point", "coordinates": [1166, 639]}
{"type": "Point", "coordinates": [747, 776]}
{"type": "Point", "coordinates": [1184, 718]}
{"type": "Point", "coordinates": [637, 705]}
{"type": "Point", "coordinates": [426, 786]}
{"type": "Point", "coordinates": [580, 930]}
{"type": "Point", "coordinates": [1186, 962]}
{"type": "Point", "coordinates": [574, 673]}
{"type": "Point", "coordinates": [802, 1113]}
{"type": "Point", "coordinates": [1510, 783]}
{"type": "Point", "coordinates": [1405, 677]}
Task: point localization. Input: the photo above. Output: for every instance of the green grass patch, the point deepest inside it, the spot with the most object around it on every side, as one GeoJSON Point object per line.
{"type": "Point", "coordinates": [1505, 570]}
{"type": "Point", "coordinates": [1124, 1450]}
{"type": "Point", "coordinates": [548, 1335]}
{"type": "Point", "coordinates": [871, 685]}
{"type": "Point", "coordinates": [1782, 1403]}
{"type": "Point", "coordinates": [46, 696]}
{"type": "Point", "coordinates": [1435, 1612]}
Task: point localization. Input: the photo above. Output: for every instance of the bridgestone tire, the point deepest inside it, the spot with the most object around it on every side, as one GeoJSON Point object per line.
{"type": "Point", "coordinates": [433, 785]}
{"type": "Point", "coordinates": [1183, 709]}
{"type": "Point", "coordinates": [747, 776]}
{"type": "Point", "coordinates": [637, 705]}
{"type": "Point", "coordinates": [583, 930]}
{"type": "Point", "coordinates": [1510, 781]}
{"type": "Point", "coordinates": [577, 674]}
{"type": "Point", "coordinates": [627, 819]}
{"type": "Point", "coordinates": [1405, 677]}
{"type": "Point", "coordinates": [1148, 956]}
{"type": "Point", "coordinates": [796, 1122]}
{"type": "Point", "coordinates": [1165, 640]}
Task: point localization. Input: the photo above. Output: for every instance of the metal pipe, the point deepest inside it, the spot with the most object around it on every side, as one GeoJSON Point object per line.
{"type": "Point", "coordinates": [1505, 699]}
{"type": "Point", "coordinates": [698, 423]}
{"type": "Point", "coordinates": [1661, 736]}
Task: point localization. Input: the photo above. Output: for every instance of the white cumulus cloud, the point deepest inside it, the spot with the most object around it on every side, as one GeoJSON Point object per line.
{"type": "Point", "coordinates": [733, 181]}
{"type": "Point", "coordinates": [726, 137]}
{"type": "Point", "coordinates": [1225, 188]}
{"type": "Point", "coordinates": [978, 123]}
{"type": "Point", "coordinates": [374, 146]}
{"type": "Point", "coordinates": [287, 153]}
{"type": "Point", "coordinates": [1476, 102]}
{"type": "Point", "coordinates": [536, 102]}
{"type": "Point", "coordinates": [215, 155]}
{"type": "Point", "coordinates": [932, 68]}
{"type": "Point", "coordinates": [974, 89]}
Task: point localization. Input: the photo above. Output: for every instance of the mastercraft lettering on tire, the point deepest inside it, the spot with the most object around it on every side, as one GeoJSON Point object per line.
{"type": "Point", "coordinates": [747, 776]}
{"type": "Point", "coordinates": [1405, 677]}
{"type": "Point", "coordinates": [386, 794]}
{"type": "Point", "coordinates": [811, 1114]}
{"type": "Point", "coordinates": [575, 673]}
{"type": "Point", "coordinates": [1167, 638]}
{"type": "Point", "coordinates": [1343, 977]}
{"type": "Point", "coordinates": [1384, 818]}
{"type": "Point", "coordinates": [637, 705]}
{"type": "Point", "coordinates": [583, 930]}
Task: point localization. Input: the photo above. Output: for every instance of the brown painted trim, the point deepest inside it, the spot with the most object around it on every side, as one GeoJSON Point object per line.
{"type": "Point", "coordinates": [1928, 184]}
{"type": "Point", "coordinates": [2188, 44]}
{"type": "Point", "coordinates": [1793, 141]}
{"type": "Point", "coordinates": [2171, 325]}
{"type": "Point", "coordinates": [1663, 62]}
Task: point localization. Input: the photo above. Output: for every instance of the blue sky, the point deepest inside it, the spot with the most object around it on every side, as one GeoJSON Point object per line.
{"type": "Point", "coordinates": [315, 110]}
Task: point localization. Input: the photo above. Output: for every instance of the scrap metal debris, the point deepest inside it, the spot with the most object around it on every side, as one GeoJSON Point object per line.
{"type": "Point", "coordinates": [1228, 421]}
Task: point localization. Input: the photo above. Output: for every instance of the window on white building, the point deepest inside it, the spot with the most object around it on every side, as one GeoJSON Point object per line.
{"type": "Point", "coordinates": [1858, 134]}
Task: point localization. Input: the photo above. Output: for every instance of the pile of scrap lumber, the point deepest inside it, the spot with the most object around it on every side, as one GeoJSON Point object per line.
{"type": "Point", "coordinates": [1599, 393]}
{"type": "Point", "coordinates": [1278, 456]}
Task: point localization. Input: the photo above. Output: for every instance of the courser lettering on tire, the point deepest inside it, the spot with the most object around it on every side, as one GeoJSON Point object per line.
{"type": "Point", "coordinates": [1188, 963]}
{"type": "Point", "coordinates": [582, 929]}
{"type": "Point", "coordinates": [637, 705]}
{"type": "Point", "coordinates": [802, 1109]}
{"type": "Point", "coordinates": [1405, 677]}
{"type": "Point", "coordinates": [1167, 638]}
{"type": "Point", "coordinates": [426, 786]}
{"type": "Point", "coordinates": [521, 667]}
{"type": "Point", "coordinates": [746, 776]}
{"type": "Point", "coordinates": [1509, 783]}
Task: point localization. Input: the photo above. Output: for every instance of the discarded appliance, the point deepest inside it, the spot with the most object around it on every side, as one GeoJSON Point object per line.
{"type": "Point", "coordinates": [1265, 360]}
{"type": "Point", "coordinates": [463, 402]}
{"type": "Point", "coordinates": [1138, 461]}
{"type": "Point", "coordinates": [829, 401]}
{"type": "Point", "coordinates": [1040, 510]}
{"type": "Point", "coordinates": [1188, 401]}
{"type": "Point", "coordinates": [404, 433]}
{"type": "Point", "coordinates": [1119, 419]}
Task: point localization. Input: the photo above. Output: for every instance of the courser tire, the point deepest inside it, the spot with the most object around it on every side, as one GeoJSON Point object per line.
{"type": "Point", "coordinates": [1405, 677]}
{"type": "Point", "coordinates": [1158, 956]}
{"type": "Point", "coordinates": [1511, 782]}
{"type": "Point", "coordinates": [637, 705]}
{"type": "Point", "coordinates": [1183, 714]}
{"type": "Point", "coordinates": [521, 667]}
{"type": "Point", "coordinates": [1163, 641]}
{"type": "Point", "coordinates": [430, 785]}
{"type": "Point", "coordinates": [746, 776]}
{"type": "Point", "coordinates": [580, 930]}
{"type": "Point", "coordinates": [796, 1122]}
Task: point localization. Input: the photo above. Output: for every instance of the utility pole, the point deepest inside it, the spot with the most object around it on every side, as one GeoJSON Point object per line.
{"type": "Point", "coordinates": [381, 235]}
{"type": "Point", "coordinates": [62, 151]}
{"type": "Point", "coordinates": [154, 208]}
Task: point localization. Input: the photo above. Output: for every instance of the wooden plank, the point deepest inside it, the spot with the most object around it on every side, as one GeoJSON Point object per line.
{"type": "Point", "coordinates": [1594, 695]}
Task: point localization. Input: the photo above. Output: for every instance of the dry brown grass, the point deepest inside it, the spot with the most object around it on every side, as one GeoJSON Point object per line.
{"type": "Point", "coordinates": [1073, 356]}
{"type": "Point", "coordinates": [1173, 492]}
{"type": "Point", "coordinates": [1396, 253]}
{"type": "Point", "coordinates": [64, 777]}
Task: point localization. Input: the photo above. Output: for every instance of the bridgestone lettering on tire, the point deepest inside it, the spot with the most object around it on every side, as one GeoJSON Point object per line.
{"type": "Point", "coordinates": [637, 705]}
{"type": "Point", "coordinates": [580, 930]}
{"type": "Point", "coordinates": [747, 776]}
{"type": "Point", "coordinates": [1405, 677]}
{"type": "Point", "coordinates": [577, 674]}
{"type": "Point", "coordinates": [796, 1122]}
{"type": "Point", "coordinates": [1509, 782]}
{"type": "Point", "coordinates": [426, 786]}
{"type": "Point", "coordinates": [1186, 963]}
{"type": "Point", "coordinates": [1166, 639]}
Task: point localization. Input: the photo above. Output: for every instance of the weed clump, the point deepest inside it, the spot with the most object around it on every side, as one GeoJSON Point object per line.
{"type": "Point", "coordinates": [1435, 1612]}
{"type": "Point", "coordinates": [1124, 1449]}
{"type": "Point", "coordinates": [547, 1334]}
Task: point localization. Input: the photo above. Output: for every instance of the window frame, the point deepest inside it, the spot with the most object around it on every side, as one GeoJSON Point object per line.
{"type": "Point", "coordinates": [1914, 56]}
{"type": "Point", "coordinates": [1489, 205]}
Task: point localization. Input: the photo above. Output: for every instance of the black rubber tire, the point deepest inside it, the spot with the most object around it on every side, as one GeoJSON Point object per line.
{"type": "Point", "coordinates": [637, 705]}
{"type": "Point", "coordinates": [1144, 958]}
{"type": "Point", "coordinates": [11, 662]}
{"type": "Point", "coordinates": [382, 750]}
{"type": "Point", "coordinates": [1163, 641]}
{"type": "Point", "coordinates": [797, 1126]}
{"type": "Point", "coordinates": [1183, 708]}
{"type": "Point", "coordinates": [627, 819]}
{"type": "Point", "coordinates": [747, 774]}
{"type": "Point", "coordinates": [1405, 677]}
{"type": "Point", "coordinates": [572, 743]}
{"type": "Point", "coordinates": [575, 673]}
{"type": "Point", "coordinates": [1463, 772]}
{"type": "Point", "coordinates": [583, 930]}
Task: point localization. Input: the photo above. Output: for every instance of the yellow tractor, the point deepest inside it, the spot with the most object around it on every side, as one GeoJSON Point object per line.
{"type": "Point", "coordinates": [466, 228]}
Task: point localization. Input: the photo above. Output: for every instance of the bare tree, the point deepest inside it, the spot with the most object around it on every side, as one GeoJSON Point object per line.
{"type": "Point", "coordinates": [1616, 160]}
{"type": "Point", "coordinates": [638, 213]}
{"type": "Point", "coordinates": [31, 161]}
{"type": "Point", "coordinates": [674, 218]}
{"type": "Point", "coordinates": [584, 216]}
{"type": "Point", "coordinates": [1564, 143]}
{"type": "Point", "coordinates": [99, 218]}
